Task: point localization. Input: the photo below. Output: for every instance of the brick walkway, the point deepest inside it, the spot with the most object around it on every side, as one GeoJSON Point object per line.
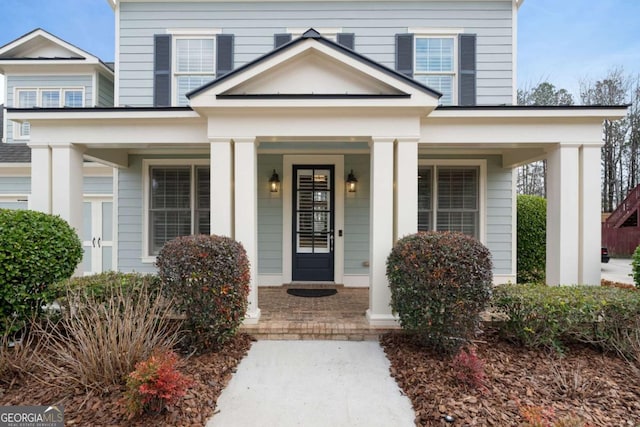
{"type": "Point", "coordinates": [337, 317]}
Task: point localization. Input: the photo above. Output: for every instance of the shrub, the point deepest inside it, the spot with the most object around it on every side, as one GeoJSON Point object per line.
{"type": "Point", "coordinates": [36, 251]}
{"type": "Point", "coordinates": [100, 287]}
{"type": "Point", "coordinates": [469, 369]}
{"type": "Point", "coordinates": [440, 282]}
{"type": "Point", "coordinates": [155, 384]}
{"type": "Point", "coordinates": [551, 316]}
{"type": "Point", "coordinates": [532, 239]}
{"type": "Point", "coordinates": [99, 339]}
{"type": "Point", "coordinates": [635, 266]}
{"type": "Point", "coordinates": [16, 355]}
{"type": "Point", "coordinates": [208, 277]}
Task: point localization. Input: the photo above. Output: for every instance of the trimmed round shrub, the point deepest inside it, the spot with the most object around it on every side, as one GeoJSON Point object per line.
{"type": "Point", "coordinates": [36, 251]}
{"type": "Point", "coordinates": [208, 279]}
{"type": "Point", "coordinates": [532, 239]}
{"type": "Point", "coordinates": [440, 282]}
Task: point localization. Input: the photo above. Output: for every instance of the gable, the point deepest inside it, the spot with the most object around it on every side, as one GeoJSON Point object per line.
{"type": "Point", "coordinates": [39, 44]}
{"type": "Point", "coordinates": [313, 72]}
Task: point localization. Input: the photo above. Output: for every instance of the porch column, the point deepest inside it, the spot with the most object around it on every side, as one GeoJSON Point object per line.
{"type": "Point", "coordinates": [66, 184]}
{"type": "Point", "coordinates": [246, 214]}
{"type": "Point", "coordinates": [590, 208]}
{"type": "Point", "coordinates": [381, 231]}
{"type": "Point", "coordinates": [221, 219]}
{"type": "Point", "coordinates": [406, 195]}
{"type": "Point", "coordinates": [563, 218]}
{"type": "Point", "coordinates": [40, 199]}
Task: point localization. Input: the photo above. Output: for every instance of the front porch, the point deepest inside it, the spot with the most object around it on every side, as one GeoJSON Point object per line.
{"type": "Point", "coordinates": [337, 317]}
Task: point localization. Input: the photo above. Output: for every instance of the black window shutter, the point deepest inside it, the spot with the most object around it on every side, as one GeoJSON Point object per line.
{"type": "Point", "coordinates": [224, 57]}
{"type": "Point", "coordinates": [280, 39]}
{"type": "Point", "coordinates": [162, 70]}
{"type": "Point", "coordinates": [467, 70]}
{"type": "Point", "coordinates": [347, 40]}
{"type": "Point", "coordinates": [404, 54]}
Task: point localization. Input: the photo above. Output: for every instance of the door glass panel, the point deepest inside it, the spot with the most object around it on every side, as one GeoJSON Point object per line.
{"type": "Point", "coordinates": [86, 221]}
{"type": "Point", "coordinates": [107, 221]}
{"type": "Point", "coordinates": [86, 260]}
{"type": "Point", "coordinates": [313, 211]}
{"type": "Point", "coordinates": [107, 258]}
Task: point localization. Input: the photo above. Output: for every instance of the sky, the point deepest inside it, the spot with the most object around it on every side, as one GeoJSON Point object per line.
{"type": "Point", "coordinates": [560, 41]}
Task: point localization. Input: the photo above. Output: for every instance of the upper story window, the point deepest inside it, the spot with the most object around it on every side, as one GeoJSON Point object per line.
{"type": "Point", "coordinates": [45, 98]}
{"type": "Point", "coordinates": [194, 65]}
{"type": "Point", "coordinates": [435, 65]}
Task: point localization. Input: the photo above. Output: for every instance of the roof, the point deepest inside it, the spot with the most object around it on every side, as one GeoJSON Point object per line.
{"type": "Point", "coordinates": [14, 153]}
{"type": "Point", "coordinates": [40, 45]}
{"type": "Point", "coordinates": [313, 34]}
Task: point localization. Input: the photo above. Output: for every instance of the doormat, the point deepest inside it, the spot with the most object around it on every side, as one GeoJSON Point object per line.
{"type": "Point", "coordinates": [311, 293]}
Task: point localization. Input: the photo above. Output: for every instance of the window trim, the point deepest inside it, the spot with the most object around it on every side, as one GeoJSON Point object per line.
{"type": "Point", "coordinates": [435, 34]}
{"type": "Point", "coordinates": [189, 35]}
{"type": "Point", "coordinates": [17, 127]}
{"type": "Point", "coordinates": [147, 257]}
{"type": "Point", "coordinates": [481, 164]}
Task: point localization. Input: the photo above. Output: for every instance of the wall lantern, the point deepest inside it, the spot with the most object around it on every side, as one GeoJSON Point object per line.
{"type": "Point", "coordinates": [274, 182]}
{"type": "Point", "coordinates": [352, 182]}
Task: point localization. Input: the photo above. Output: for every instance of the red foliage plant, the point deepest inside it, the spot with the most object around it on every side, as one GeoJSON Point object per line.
{"type": "Point", "coordinates": [469, 369]}
{"type": "Point", "coordinates": [155, 384]}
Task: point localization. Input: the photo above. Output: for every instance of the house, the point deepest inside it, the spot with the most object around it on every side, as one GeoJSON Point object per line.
{"type": "Point", "coordinates": [43, 71]}
{"type": "Point", "coordinates": [620, 229]}
{"type": "Point", "coordinates": [317, 133]}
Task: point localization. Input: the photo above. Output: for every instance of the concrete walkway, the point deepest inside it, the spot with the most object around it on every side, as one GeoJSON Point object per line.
{"type": "Point", "coordinates": [313, 383]}
{"type": "Point", "coordinates": [617, 270]}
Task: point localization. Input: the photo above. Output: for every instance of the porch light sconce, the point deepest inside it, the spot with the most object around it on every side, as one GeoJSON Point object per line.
{"type": "Point", "coordinates": [352, 182]}
{"type": "Point", "coordinates": [274, 182]}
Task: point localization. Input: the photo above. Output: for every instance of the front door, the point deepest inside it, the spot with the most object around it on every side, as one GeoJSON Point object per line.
{"type": "Point", "coordinates": [97, 239]}
{"type": "Point", "coordinates": [313, 222]}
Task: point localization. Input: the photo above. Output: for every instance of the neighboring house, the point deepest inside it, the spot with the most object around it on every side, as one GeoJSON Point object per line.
{"type": "Point", "coordinates": [251, 119]}
{"type": "Point", "coordinates": [42, 71]}
{"type": "Point", "coordinates": [621, 229]}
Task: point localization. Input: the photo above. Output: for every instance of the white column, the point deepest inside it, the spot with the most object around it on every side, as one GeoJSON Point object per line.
{"type": "Point", "coordinates": [381, 231]}
{"type": "Point", "coordinates": [406, 199]}
{"type": "Point", "coordinates": [563, 219]}
{"type": "Point", "coordinates": [221, 188]}
{"type": "Point", "coordinates": [66, 173]}
{"type": "Point", "coordinates": [590, 208]}
{"type": "Point", "coordinates": [246, 214]}
{"type": "Point", "coordinates": [40, 178]}
{"type": "Point", "coordinates": [66, 184]}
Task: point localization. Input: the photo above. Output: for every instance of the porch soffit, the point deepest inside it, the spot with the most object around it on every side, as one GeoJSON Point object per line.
{"type": "Point", "coordinates": [314, 72]}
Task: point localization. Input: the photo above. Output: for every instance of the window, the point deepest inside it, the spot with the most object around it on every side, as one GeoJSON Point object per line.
{"type": "Point", "coordinates": [435, 65]}
{"type": "Point", "coordinates": [449, 199]}
{"type": "Point", "coordinates": [26, 99]}
{"type": "Point", "coordinates": [178, 203]}
{"type": "Point", "coordinates": [194, 65]}
{"type": "Point", "coordinates": [46, 98]}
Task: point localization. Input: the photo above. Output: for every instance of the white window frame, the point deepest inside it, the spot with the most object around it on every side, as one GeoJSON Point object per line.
{"type": "Point", "coordinates": [421, 33]}
{"type": "Point", "coordinates": [481, 164]}
{"type": "Point", "coordinates": [177, 34]}
{"type": "Point", "coordinates": [147, 257]}
{"type": "Point", "coordinates": [17, 127]}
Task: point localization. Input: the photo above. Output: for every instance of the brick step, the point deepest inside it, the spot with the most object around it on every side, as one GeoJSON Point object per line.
{"type": "Point", "coordinates": [315, 332]}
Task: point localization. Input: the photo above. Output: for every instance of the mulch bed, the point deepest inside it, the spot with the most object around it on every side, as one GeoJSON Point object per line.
{"type": "Point", "coordinates": [211, 372]}
{"type": "Point", "coordinates": [602, 390]}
